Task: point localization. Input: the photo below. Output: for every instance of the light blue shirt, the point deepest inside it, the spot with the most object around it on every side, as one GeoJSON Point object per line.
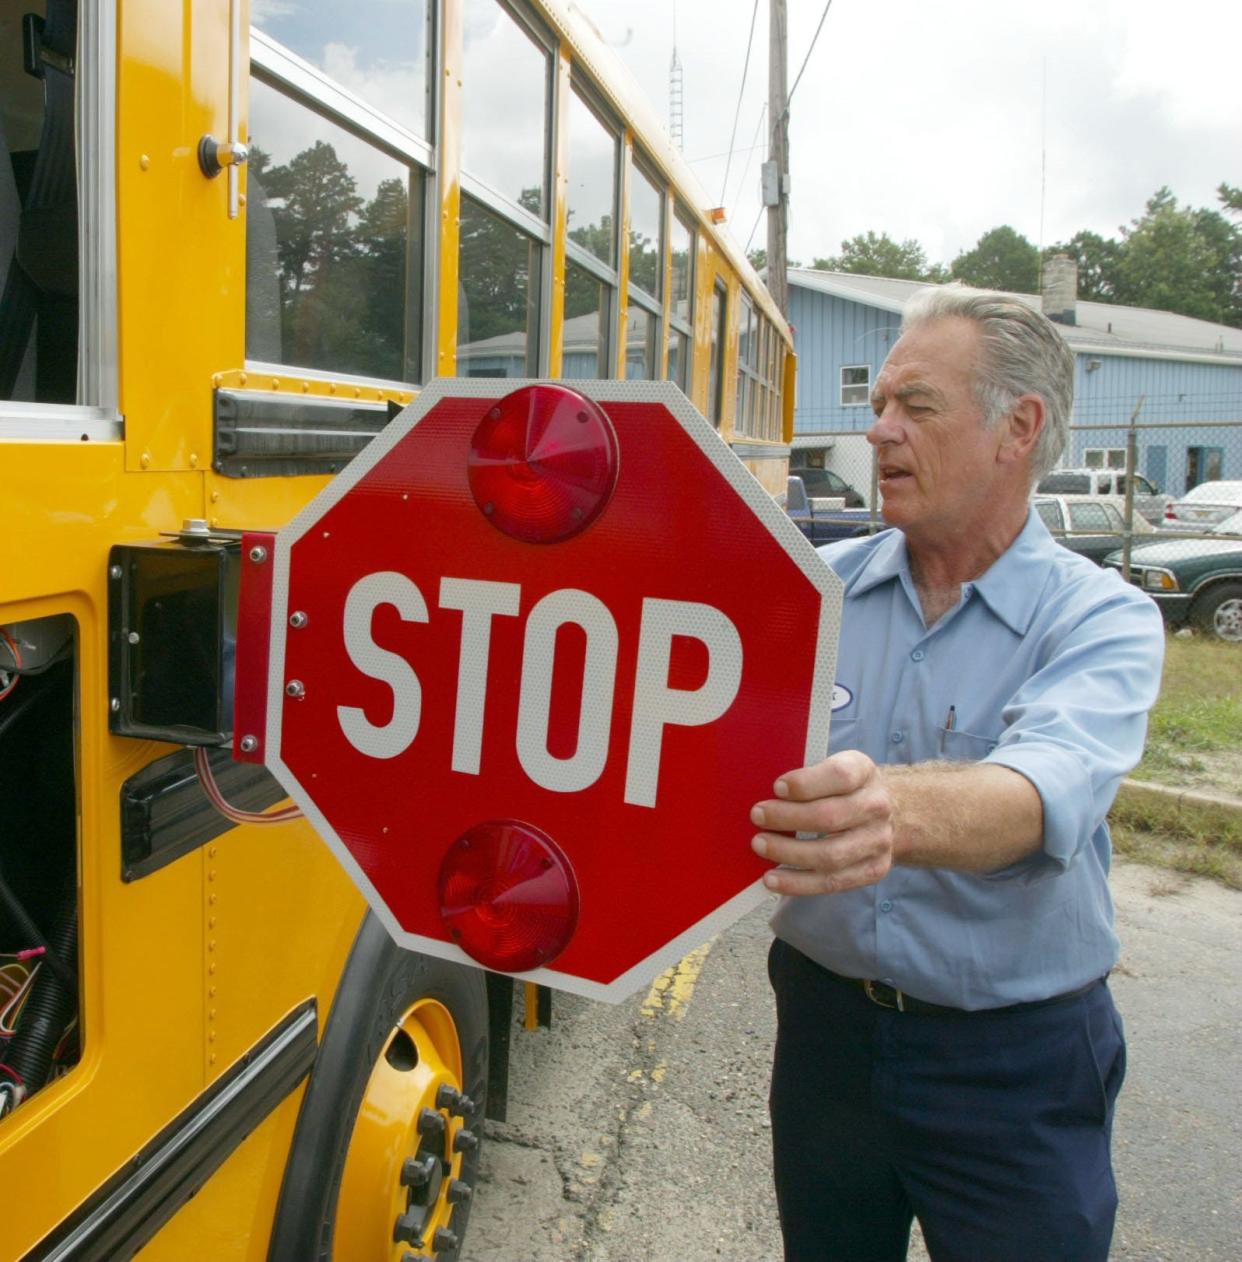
{"type": "Point", "coordinates": [1047, 665]}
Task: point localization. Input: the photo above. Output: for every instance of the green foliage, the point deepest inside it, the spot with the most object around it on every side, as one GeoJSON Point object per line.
{"type": "Point", "coordinates": [877, 254]}
{"type": "Point", "coordinates": [1175, 258]}
{"type": "Point", "coordinates": [1001, 259]}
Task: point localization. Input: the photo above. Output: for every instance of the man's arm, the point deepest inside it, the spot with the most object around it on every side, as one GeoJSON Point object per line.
{"type": "Point", "coordinates": [972, 817]}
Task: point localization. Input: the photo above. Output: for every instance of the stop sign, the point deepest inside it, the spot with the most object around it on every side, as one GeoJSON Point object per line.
{"type": "Point", "coordinates": [591, 689]}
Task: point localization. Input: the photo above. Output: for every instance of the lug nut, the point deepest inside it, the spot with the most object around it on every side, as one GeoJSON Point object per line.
{"type": "Point", "coordinates": [417, 1171]}
{"type": "Point", "coordinates": [408, 1229]}
{"type": "Point", "coordinates": [458, 1192]}
{"type": "Point", "coordinates": [465, 1141]}
{"type": "Point", "coordinates": [457, 1104]}
{"type": "Point", "coordinates": [444, 1241]}
{"type": "Point", "coordinates": [430, 1123]}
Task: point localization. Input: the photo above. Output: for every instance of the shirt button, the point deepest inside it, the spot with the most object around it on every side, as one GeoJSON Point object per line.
{"type": "Point", "coordinates": [917, 655]}
{"type": "Point", "coordinates": [886, 905]}
{"type": "Point", "coordinates": [897, 737]}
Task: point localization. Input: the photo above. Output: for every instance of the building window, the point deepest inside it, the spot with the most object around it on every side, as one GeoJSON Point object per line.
{"type": "Point", "coordinates": [855, 385]}
{"type": "Point", "coordinates": [1104, 458]}
{"type": "Point", "coordinates": [1204, 464]}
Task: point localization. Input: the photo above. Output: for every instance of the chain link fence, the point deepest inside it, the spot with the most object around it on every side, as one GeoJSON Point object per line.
{"type": "Point", "coordinates": [1160, 502]}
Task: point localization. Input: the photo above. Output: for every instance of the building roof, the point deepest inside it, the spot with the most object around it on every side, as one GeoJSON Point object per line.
{"type": "Point", "coordinates": [1102, 328]}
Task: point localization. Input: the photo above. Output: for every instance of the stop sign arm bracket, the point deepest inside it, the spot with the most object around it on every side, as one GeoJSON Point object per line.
{"type": "Point", "coordinates": [254, 636]}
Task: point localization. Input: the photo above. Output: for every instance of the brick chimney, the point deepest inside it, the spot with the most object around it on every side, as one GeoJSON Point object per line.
{"type": "Point", "coordinates": [1060, 293]}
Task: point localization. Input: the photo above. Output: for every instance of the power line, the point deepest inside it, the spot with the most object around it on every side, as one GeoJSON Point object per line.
{"type": "Point", "coordinates": [809, 51]}
{"type": "Point", "coordinates": [741, 184]}
{"type": "Point", "coordinates": [737, 113]}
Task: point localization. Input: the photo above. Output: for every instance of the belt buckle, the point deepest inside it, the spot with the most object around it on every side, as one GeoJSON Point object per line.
{"type": "Point", "coordinates": [879, 992]}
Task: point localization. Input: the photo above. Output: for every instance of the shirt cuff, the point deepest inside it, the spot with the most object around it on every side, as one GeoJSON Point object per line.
{"type": "Point", "coordinates": [1064, 787]}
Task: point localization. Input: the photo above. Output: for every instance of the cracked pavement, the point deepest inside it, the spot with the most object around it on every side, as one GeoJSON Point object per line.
{"type": "Point", "coordinates": [639, 1133]}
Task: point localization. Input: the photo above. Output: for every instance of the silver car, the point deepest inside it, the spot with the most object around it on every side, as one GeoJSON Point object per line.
{"type": "Point", "coordinates": [1149, 501]}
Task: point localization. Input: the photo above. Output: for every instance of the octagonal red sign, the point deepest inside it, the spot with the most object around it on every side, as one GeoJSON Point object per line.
{"type": "Point", "coordinates": [593, 668]}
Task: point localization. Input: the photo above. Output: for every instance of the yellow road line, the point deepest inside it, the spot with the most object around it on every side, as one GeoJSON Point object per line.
{"type": "Point", "coordinates": [670, 993]}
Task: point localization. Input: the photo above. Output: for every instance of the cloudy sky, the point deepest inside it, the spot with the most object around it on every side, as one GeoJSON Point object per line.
{"type": "Point", "coordinates": [930, 118]}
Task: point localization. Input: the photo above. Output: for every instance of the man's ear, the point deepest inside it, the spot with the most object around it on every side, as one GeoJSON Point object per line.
{"type": "Point", "coordinates": [1022, 428]}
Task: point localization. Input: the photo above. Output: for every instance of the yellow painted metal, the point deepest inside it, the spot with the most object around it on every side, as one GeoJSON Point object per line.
{"type": "Point", "coordinates": [560, 214]}
{"type": "Point", "coordinates": [385, 1134]}
{"type": "Point", "coordinates": [452, 58]}
{"type": "Point", "coordinates": [530, 1006]}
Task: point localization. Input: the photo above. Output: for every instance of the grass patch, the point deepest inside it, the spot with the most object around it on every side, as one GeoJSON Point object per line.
{"type": "Point", "coordinates": [1194, 741]}
{"type": "Point", "coordinates": [1205, 840]}
{"type": "Point", "coordinates": [1198, 716]}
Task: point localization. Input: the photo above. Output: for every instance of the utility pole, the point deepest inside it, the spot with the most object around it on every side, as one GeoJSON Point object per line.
{"type": "Point", "coordinates": [776, 169]}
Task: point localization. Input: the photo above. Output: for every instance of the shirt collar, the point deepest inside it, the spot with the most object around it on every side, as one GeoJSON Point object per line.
{"type": "Point", "coordinates": [1011, 587]}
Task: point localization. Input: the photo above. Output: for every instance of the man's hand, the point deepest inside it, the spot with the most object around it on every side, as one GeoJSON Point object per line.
{"type": "Point", "coordinates": [843, 799]}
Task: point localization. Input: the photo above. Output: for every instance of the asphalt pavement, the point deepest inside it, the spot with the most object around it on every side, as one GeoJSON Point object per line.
{"type": "Point", "coordinates": [639, 1133]}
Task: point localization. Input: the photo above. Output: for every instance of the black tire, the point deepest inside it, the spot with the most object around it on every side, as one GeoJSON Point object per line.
{"type": "Point", "coordinates": [1218, 611]}
{"type": "Point", "coordinates": [380, 985]}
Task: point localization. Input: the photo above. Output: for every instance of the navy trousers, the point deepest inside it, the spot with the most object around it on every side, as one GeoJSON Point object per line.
{"type": "Point", "coordinates": [992, 1129]}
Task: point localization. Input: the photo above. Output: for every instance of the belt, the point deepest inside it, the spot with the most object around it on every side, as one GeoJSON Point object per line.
{"type": "Point", "coordinates": [885, 996]}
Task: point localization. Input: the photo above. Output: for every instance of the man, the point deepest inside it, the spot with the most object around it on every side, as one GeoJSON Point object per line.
{"type": "Point", "coordinates": [947, 1046]}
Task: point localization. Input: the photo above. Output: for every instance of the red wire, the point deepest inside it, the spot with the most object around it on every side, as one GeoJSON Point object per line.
{"type": "Point", "coordinates": [15, 679]}
{"type": "Point", "coordinates": [202, 765]}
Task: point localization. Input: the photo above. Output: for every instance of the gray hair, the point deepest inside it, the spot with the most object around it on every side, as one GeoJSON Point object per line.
{"type": "Point", "coordinates": [1023, 353]}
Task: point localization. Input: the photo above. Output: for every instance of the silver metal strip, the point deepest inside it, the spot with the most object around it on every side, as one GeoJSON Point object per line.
{"type": "Point", "coordinates": [338, 102]}
{"type": "Point", "coordinates": [95, 138]}
{"type": "Point", "coordinates": [488, 198]}
{"type": "Point", "coordinates": [59, 423]}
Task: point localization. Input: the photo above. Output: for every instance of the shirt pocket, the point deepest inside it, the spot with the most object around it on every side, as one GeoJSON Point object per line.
{"type": "Point", "coordinates": [958, 746]}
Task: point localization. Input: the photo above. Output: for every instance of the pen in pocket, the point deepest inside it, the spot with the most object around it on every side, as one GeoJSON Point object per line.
{"type": "Point", "coordinates": [950, 720]}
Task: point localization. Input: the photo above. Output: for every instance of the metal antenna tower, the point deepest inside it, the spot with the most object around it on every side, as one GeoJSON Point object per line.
{"type": "Point", "coordinates": [675, 90]}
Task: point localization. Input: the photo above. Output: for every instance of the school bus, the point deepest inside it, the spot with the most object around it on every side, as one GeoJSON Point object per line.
{"type": "Point", "coordinates": [234, 236]}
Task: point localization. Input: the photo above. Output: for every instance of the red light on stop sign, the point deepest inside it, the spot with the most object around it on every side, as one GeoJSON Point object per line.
{"type": "Point", "coordinates": [508, 896]}
{"type": "Point", "coordinates": [543, 463]}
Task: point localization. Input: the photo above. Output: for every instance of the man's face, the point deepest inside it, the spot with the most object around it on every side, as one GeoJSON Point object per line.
{"type": "Point", "coordinates": [937, 462]}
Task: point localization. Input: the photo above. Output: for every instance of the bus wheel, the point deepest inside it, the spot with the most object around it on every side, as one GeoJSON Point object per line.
{"type": "Point", "coordinates": [386, 1153]}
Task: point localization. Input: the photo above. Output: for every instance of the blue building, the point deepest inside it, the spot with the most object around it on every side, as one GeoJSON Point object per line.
{"type": "Point", "coordinates": [1183, 377]}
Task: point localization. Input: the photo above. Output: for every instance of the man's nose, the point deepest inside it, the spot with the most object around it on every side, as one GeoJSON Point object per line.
{"type": "Point", "coordinates": [885, 428]}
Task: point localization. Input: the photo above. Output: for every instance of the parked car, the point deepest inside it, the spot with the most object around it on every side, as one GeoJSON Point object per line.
{"type": "Point", "coordinates": [1149, 501]}
{"type": "Point", "coordinates": [1192, 580]}
{"type": "Point", "coordinates": [1088, 525]}
{"type": "Point", "coordinates": [823, 484]}
{"type": "Point", "coordinates": [1210, 506]}
{"type": "Point", "coordinates": [820, 524]}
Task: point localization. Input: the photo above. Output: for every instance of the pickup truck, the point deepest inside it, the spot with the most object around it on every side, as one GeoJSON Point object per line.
{"type": "Point", "coordinates": [824, 519]}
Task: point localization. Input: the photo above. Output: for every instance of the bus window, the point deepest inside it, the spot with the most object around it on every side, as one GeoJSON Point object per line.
{"type": "Point", "coordinates": [641, 344]}
{"type": "Point", "coordinates": [505, 96]}
{"type": "Point", "coordinates": [587, 300]}
{"type": "Point", "coordinates": [498, 295]}
{"type": "Point", "coordinates": [333, 246]}
{"type": "Point", "coordinates": [384, 60]}
{"type": "Point", "coordinates": [593, 151]}
{"type": "Point", "coordinates": [591, 277]}
{"type": "Point", "coordinates": [715, 385]}
{"type": "Point", "coordinates": [747, 387]}
{"type": "Point", "coordinates": [38, 219]}
{"type": "Point", "coordinates": [681, 308]}
{"type": "Point", "coordinates": [646, 243]}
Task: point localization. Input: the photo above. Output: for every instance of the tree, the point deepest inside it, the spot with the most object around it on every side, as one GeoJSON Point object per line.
{"type": "Point", "coordinates": [877, 254]}
{"type": "Point", "coordinates": [1175, 258]}
{"type": "Point", "coordinates": [1098, 259]}
{"type": "Point", "coordinates": [1230, 198]}
{"type": "Point", "coordinates": [1001, 259]}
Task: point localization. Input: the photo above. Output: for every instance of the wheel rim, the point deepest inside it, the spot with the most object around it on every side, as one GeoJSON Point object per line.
{"type": "Point", "coordinates": [1227, 620]}
{"type": "Point", "coordinates": [395, 1125]}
